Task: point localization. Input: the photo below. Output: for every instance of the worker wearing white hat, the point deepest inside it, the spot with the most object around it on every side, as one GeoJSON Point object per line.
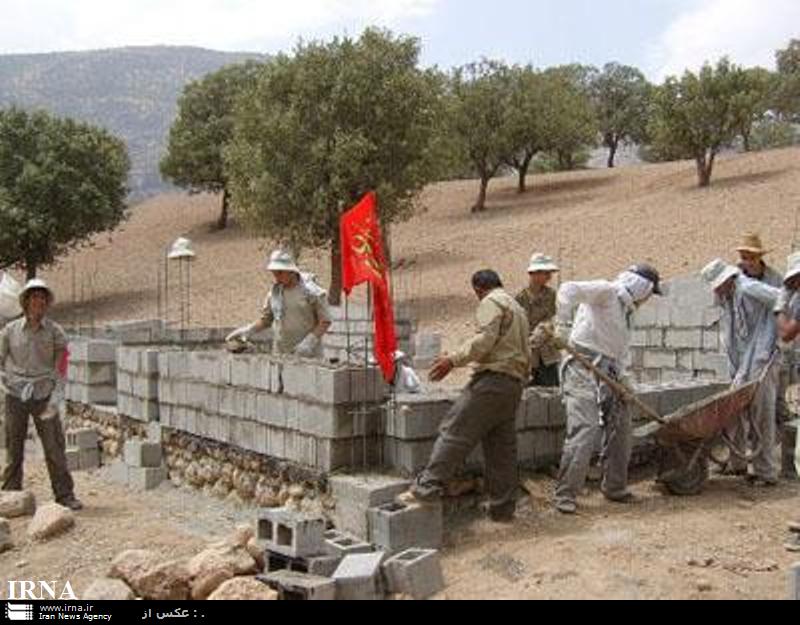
{"type": "Point", "coordinates": [296, 309]}
{"type": "Point", "coordinates": [538, 301]}
{"type": "Point", "coordinates": [749, 335]}
{"type": "Point", "coordinates": [31, 348]}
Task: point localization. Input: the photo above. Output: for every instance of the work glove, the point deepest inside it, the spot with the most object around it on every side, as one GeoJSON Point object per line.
{"type": "Point", "coordinates": [241, 334]}
{"type": "Point", "coordinates": [307, 348]}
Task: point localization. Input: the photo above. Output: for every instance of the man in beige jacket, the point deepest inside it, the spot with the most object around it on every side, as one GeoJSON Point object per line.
{"type": "Point", "coordinates": [486, 410]}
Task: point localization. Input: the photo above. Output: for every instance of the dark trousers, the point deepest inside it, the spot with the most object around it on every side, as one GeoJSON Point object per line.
{"type": "Point", "coordinates": [52, 435]}
{"type": "Point", "coordinates": [545, 376]}
{"type": "Point", "coordinates": [485, 413]}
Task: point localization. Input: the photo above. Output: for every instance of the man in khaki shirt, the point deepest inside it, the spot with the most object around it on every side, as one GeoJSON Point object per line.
{"type": "Point", "coordinates": [486, 410]}
{"type": "Point", "coordinates": [296, 309]}
{"type": "Point", "coordinates": [30, 349]}
{"type": "Point", "coordinates": [539, 302]}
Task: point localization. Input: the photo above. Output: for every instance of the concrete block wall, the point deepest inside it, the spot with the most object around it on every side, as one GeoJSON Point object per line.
{"type": "Point", "coordinates": [92, 372]}
{"type": "Point", "coordinates": [137, 383]}
{"type": "Point", "coordinates": [677, 337]}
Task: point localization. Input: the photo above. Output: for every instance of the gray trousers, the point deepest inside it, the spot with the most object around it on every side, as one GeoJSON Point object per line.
{"type": "Point", "coordinates": [52, 435]}
{"type": "Point", "coordinates": [586, 434]}
{"type": "Point", "coordinates": [766, 464]}
{"type": "Point", "coordinates": [485, 413]}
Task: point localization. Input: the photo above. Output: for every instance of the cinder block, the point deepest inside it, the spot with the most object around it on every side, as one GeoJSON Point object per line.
{"type": "Point", "coordinates": [337, 421]}
{"type": "Point", "coordinates": [146, 478]}
{"type": "Point", "coordinates": [395, 527]}
{"type": "Point", "coordinates": [358, 577]}
{"type": "Point", "coordinates": [416, 417]}
{"type": "Point", "coordinates": [154, 432]}
{"type": "Point", "coordinates": [415, 572]}
{"type": "Point", "coordinates": [711, 361]}
{"type": "Point", "coordinates": [711, 340]}
{"type": "Point", "coordinates": [83, 439]}
{"type": "Point", "coordinates": [684, 339]}
{"type": "Point", "coordinates": [794, 582]}
{"type": "Point", "coordinates": [101, 351]}
{"type": "Point", "coordinates": [407, 457]}
{"type": "Point", "coordinates": [143, 454]}
{"type": "Point", "coordinates": [88, 459]}
{"type": "Point", "coordinates": [240, 371]}
{"type": "Point", "coordinates": [102, 395]}
{"type": "Point", "coordinates": [660, 359]}
{"type": "Point", "coordinates": [73, 456]}
{"type": "Point", "coordinates": [294, 586]}
{"type": "Point", "coordinates": [260, 375]}
{"type": "Point", "coordinates": [354, 495]}
{"type": "Point", "coordinates": [291, 533]}
{"type": "Point", "coordinates": [323, 566]}
{"type": "Point", "coordinates": [118, 473]}
{"type": "Point", "coordinates": [145, 387]}
{"type": "Point", "coordinates": [339, 544]}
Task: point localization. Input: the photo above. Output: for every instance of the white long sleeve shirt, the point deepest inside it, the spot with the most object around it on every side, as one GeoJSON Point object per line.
{"type": "Point", "coordinates": [599, 318]}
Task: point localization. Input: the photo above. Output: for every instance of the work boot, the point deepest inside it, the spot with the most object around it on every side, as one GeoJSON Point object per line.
{"type": "Point", "coordinates": [73, 503]}
{"type": "Point", "coordinates": [412, 498]}
{"type": "Point", "coordinates": [757, 481]}
{"type": "Point", "coordinates": [625, 498]}
{"type": "Point", "coordinates": [566, 507]}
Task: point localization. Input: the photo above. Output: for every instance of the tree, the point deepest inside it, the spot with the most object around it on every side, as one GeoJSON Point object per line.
{"type": "Point", "coordinates": [700, 114]}
{"type": "Point", "coordinates": [477, 106]}
{"type": "Point", "coordinates": [60, 183]}
{"type": "Point", "coordinates": [202, 129]}
{"type": "Point", "coordinates": [319, 129]}
{"type": "Point", "coordinates": [787, 91]}
{"type": "Point", "coordinates": [525, 120]}
{"type": "Point", "coordinates": [621, 98]}
{"type": "Point", "coordinates": [571, 124]}
{"type": "Point", "coordinates": [758, 86]}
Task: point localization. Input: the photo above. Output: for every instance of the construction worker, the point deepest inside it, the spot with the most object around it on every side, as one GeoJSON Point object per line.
{"type": "Point", "coordinates": [486, 410]}
{"type": "Point", "coordinates": [539, 302]}
{"type": "Point", "coordinates": [749, 334]}
{"type": "Point", "coordinates": [296, 308]}
{"type": "Point", "coordinates": [593, 318]}
{"type": "Point", "coordinates": [31, 349]}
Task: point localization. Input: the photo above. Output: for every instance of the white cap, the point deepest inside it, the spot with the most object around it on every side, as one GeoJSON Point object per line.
{"type": "Point", "coordinates": [281, 261]}
{"type": "Point", "coordinates": [792, 267]}
{"type": "Point", "coordinates": [718, 272]}
{"type": "Point", "coordinates": [34, 285]}
{"type": "Point", "coordinates": [181, 248]}
{"type": "Point", "coordinates": [542, 262]}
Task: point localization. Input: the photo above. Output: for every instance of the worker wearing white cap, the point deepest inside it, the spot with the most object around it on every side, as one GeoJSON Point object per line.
{"type": "Point", "coordinates": [296, 309]}
{"type": "Point", "coordinates": [31, 348]}
{"type": "Point", "coordinates": [538, 301]}
{"type": "Point", "coordinates": [749, 335]}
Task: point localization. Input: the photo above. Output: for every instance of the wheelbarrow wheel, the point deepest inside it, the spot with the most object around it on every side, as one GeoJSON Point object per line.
{"type": "Point", "coordinates": [679, 475]}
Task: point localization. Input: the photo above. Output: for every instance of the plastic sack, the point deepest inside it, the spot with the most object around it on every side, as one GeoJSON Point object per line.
{"type": "Point", "coordinates": [9, 297]}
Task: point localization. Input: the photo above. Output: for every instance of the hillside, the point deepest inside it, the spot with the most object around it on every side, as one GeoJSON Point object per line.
{"type": "Point", "coordinates": [596, 222]}
{"type": "Point", "coordinates": [132, 92]}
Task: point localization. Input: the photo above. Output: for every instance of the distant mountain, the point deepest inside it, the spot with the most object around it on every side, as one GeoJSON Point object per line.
{"type": "Point", "coordinates": [132, 92]}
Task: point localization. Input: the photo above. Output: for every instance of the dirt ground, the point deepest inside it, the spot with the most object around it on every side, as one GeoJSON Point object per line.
{"type": "Point", "coordinates": [725, 544]}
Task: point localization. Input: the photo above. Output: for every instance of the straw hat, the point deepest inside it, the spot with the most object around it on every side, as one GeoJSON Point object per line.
{"type": "Point", "coordinates": [542, 262]}
{"type": "Point", "coordinates": [718, 272]}
{"type": "Point", "coordinates": [282, 261]}
{"type": "Point", "coordinates": [752, 243]}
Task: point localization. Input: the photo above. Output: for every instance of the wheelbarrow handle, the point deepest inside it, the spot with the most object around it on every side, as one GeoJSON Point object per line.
{"type": "Point", "coordinates": [620, 389]}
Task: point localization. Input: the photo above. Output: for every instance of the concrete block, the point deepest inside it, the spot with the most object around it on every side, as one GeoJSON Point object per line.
{"type": "Point", "coordinates": [83, 439]}
{"type": "Point", "coordinates": [98, 373]}
{"type": "Point", "coordinates": [395, 527]}
{"type": "Point", "coordinates": [645, 316]}
{"type": "Point", "coordinates": [354, 495]}
{"type": "Point", "coordinates": [324, 566]}
{"type": "Point", "coordinates": [416, 417]}
{"type": "Point", "coordinates": [240, 371]}
{"type": "Point", "coordinates": [73, 456]}
{"type": "Point", "coordinates": [260, 374]}
{"type": "Point", "coordinates": [684, 339]}
{"type": "Point", "coordinates": [145, 387]}
{"type": "Point", "coordinates": [794, 582]}
{"type": "Point", "coordinates": [118, 473]}
{"type": "Point", "coordinates": [687, 316]}
{"type": "Point", "coordinates": [294, 586]}
{"type": "Point", "coordinates": [101, 351]}
{"type": "Point", "coordinates": [276, 443]}
{"type": "Point", "coordinates": [660, 360]}
{"type": "Point", "coordinates": [128, 360]}
{"type": "Point", "coordinates": [415, 572]}
{"type": "Point", "coordinates": [711, 340]}
{"type": "Point", "coordinates": [342, 421]}
{"type": "Point", "coordinates": [154, 432]}
{"type": "Point", "coordinates": [358, 577]}
{"type": "Point", "coordinates": [339, 544]}
{"type": "Point", "coordinates": [407, 457]}
{"type": "Point", "coordinates": [103, 395]}
{"type": "Point", "coordinates": [710, 361]}
{"type": "Point", "coordinates": [638, 338]}
{"type": "Point", "coordinates": [143, 454]}
{"type": "Point", "coordinates": [88, 459]}
{"type": "Point", "coordinates": [291, 533]}
{"type": "Point", "coordinates": [146, 478]}
{"type": "Point", "coordinates": [655, 337]}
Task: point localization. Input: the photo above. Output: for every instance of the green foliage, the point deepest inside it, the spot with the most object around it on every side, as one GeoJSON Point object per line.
{"type": "Point", "coordinates": [321, 128]}
{"type": "Point", "coordinates": [700, 114]}
{"type": "Point", "coordinates": [203, 129]}
{"type": "Point", "coordinates": [60, 183]}
{"type": "Point", "coordinates": [621, 97]}
{"type": "Point", "coordinates": [774, 133]}
{"type": "Point", "coordinates": [787, 90]}
{"type": "Point", "coordinates": [525, 119]}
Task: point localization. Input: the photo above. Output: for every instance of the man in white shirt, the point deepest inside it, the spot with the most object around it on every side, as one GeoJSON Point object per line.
{"type": "Point", "coordinates": [594, 318]}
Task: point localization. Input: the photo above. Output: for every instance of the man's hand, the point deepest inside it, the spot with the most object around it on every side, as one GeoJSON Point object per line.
{"type": "Point", "coordinates": [307, 348]}
{"type": "Point", "coordinates": [441, 368]}
{"type": "Point", "coordinates": [240, 334]}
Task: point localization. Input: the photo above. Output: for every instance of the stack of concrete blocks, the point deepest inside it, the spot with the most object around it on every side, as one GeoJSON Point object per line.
{"type": "Point", "coordinates": [142, 467]}
{"type": "Point", "coordinates": [134, 332]}
{"type": "Point", "coordinates": [413, 422]}
{"type": "Point", "coordinates": [82, 450]}
{"type": "Point", "coordinates": [308, 413]}
{"type": "Point", "coordinates": [137, 383]}
{"type": "Point", "coordinates": [356, 495]}
{"type": "Point", "coordinates": [677, 337]}
{"type": "Point", "coordinates": [92, 372]}
{"type": "Point", "coordinates": [416, 573]}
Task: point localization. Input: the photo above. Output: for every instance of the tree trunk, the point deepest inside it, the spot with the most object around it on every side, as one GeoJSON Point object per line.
{"type": "Point", "coordinates": [222, 222]}
{"type": "Point", "coordinates": [31, 266]}
{"type": "Point", "coordinates": [335, 289]}
{"type": "Point", "coordinates": [480, 204]}
{"type": "Point", "coordinates": [523, 173]}
{"type": "Point", "coordinates": [746, 141]}
{"type": "Point", "coordinates": [612, 153]}
{"type": "Point", "coordinates": [704, 168]}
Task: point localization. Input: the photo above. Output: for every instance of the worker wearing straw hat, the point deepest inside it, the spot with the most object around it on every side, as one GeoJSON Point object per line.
{"type": "Point", "coordinates": [539, 302]}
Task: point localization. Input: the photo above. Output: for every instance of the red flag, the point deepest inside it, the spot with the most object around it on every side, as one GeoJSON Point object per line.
{"type": "Point", "coordinates": [63, 364]}
{"type": "Point", "coordinates": [363, 261]}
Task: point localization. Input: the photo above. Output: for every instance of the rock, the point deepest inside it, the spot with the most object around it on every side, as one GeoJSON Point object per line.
{"type": "Point", "coordinates": [244, 588]}
{"type": "Point", "coordinates": [5, 535]}
{"type": "Point", "coordinates": [149, 578]}
{"type": "Point", "coordinates": [21, 564]}
{"type": "Point", "coordinates": [131, 564]}
{"type": "Point", "coordinates": [223, 555]}
{"type": "Point", "coordinates": [242, 535]}
{"type": "Point", "coordinates": [704, 585]}
{"type": "Point", "coordinates": [50, 520]}
{"type": "Point", "coordinates": [257, 553]}
{"type": "Point", "coordinates": [206, 583]}
{"type": "Point", "coordinates": [108, 590]}
{"type": "Point", "coordinates": [15, 504]}
{"type": "Point", "coordinates": [297, 491]}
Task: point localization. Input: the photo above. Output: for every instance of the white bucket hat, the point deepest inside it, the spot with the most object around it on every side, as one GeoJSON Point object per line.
{"type": "Point", "coordinates": [35, 285]}
{"type": "Point", "coordinates": [181, 248]}
{"type": "Point", "coordinates": [718, 272]}
{"type": "Point", "coordinates": [792, 267]}
{"type": "Point", "coordinates": [542, 262]}
{"type": "Point", "coordinates": [282, 261]}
